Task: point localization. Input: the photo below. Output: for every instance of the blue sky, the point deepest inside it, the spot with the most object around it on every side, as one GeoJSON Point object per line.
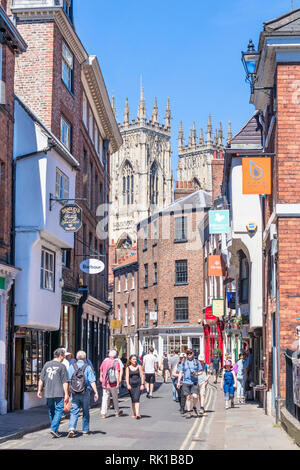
{"type": "Point", "coordinates": [189, 51]}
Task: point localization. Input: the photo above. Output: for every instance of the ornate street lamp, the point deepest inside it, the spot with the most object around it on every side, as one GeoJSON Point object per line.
{"type": "Point", "coordinates": [250, 60]}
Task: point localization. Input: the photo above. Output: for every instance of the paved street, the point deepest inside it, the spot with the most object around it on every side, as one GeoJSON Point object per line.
{"type": "Point", "coordinates": [162, 428]}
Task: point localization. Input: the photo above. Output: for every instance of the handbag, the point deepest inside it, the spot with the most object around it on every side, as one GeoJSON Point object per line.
{"type": "Point", "coordinates": [67, 406]}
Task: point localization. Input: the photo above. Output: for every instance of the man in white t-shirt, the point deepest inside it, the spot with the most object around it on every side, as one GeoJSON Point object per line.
{"type": "Point", "coordinates": [150, 365]}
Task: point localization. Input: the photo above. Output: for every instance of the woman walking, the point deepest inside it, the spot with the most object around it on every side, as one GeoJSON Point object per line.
{"type": "Point", "coordinates": [228, 384]}
{"type": "Point", "coordinates": [241, 375]}
{"type": "Point", "coordinates": [181, 396]}
{"type": "Point", "coordinates": [202, 383]}
{"type": "Point", "coordinates": [135, 381]}
{"type": "Point", "coordinates": [165, 367]}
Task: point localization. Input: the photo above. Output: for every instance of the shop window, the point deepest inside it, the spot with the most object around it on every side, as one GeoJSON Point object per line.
{"type": "Point", "coordinates": [36, 355]}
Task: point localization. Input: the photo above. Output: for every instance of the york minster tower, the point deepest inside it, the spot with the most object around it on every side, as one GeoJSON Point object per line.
{"type": "Point", "coordinates": [140, 173]}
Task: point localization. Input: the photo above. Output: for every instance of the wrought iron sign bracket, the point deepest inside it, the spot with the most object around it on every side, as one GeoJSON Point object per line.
{"type": "Point", "coordinates": [53, 200]}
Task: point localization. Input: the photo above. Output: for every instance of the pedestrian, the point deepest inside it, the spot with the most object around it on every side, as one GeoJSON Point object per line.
{"type": "Point", "coordinates": [175, 375]}
{"type": "Point", "coordinates": [67, 359]}
{"type": "Point", "coordinates": [54, 377]}
{"type": "Point", "coordinates": [135, 381]}
{"type": "Point", "coordinates": [150, 367]}
{"type": "Point", "coordinates": [228, 384]}
{"type": "Point", "coordinates": [203, 380]}
{"type": "Point", "coordinates": [216, 363]}
{"type": "Point", "coordinates": [122, 368]}
{"type": "Point", "coordinates": [165, 367]}
{"type": "Point", "coordinates": [172, 364]}
{"type": "Point", "coordinates": [240, 370]}
{"type": "Point", "coordinates": [249, 377]}
{"type": "Point", "coordinates": [82, 381]}
{"type": "Point", "coordinates": [110, 377]}
{"type": "Point", "coordinates": [189, 371]}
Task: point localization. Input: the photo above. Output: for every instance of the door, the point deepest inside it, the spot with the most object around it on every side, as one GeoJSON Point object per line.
{"type": "Point", "coordinates": [196, 346]}
{"type": "Point", "coordinates": [19, 374]}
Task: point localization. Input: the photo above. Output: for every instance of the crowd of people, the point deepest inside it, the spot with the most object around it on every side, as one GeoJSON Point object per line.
{"type": "Point", "coordinates": [67, 383]}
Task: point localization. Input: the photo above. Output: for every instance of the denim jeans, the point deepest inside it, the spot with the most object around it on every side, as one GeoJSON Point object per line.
{"type": "Point", "coordinates": [174, 389]}
{"type": "Point", "coordinates": [241, 383]}
{"type": "Point", "coordinates": [79, 401]}
{"type": "Point", "coordinates": [56, 409]}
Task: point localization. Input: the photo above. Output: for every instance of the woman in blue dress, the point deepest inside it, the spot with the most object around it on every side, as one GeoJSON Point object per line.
{"type": "Point", "coordinates": [228, 384]}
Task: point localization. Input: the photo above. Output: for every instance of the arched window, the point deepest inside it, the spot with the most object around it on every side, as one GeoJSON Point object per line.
{"type": "Point", "coordinates": [128, 184]}
{"type": "Point", "coordinates": [154, 184]}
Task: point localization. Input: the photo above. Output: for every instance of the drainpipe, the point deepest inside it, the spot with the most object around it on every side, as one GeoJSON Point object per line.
{"type": "Point", "coordinates": [278, 358]}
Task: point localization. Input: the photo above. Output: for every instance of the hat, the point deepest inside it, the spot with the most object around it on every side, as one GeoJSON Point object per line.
{"type": "Point", "coordinates": [228, 363]}
{"type": "Point", "coordinates": [68, 353]}
{"type": "Point", "coordinates": [182, 355]}
{"type": "Point", "coordinates": [189, 351]}
{"type": "Point", "coordinates": [201, 357]}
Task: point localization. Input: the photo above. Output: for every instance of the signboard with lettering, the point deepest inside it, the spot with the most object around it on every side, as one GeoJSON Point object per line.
{"type": "Point", "coordinates": [209, 315]}
{"type": "Point", "coordinates": [115, 324]}
{"type": "Point", "coordinates": [215, 266]}
{"type": "Point", "coordinates": [257, 175]}
{"type": "Point", "coordinates": [70, 218]}
{"type": "Point", "coordinates": [218, 307]}
{"type": "Point", "coordinates": [92, 266]}
{"type": "Point", "coordinates": [218, 222]}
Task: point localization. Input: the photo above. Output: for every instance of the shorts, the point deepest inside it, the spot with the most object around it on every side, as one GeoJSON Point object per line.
{"type": "Point", "coordinates": [216, 371]}
{"type": "Point", "coordinates": [190, 389]}
{"type": "Point", "coordinates": [150, 378]}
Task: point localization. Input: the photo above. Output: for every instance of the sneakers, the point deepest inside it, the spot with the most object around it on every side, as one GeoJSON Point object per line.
{"type": "Point", "coordinates": [195, 413]}
{"type": "Point", "coordinates": [202, 411]}
{"type": "Point", "coordinates": [182, 412]}
{"type": "Point", "coordinates": [188, 415]}
{"type": "Point", "coordinates": [71, 433]}
{"type": "Point", "coordinates": [55, 434]}
{"type": "Point", "coordinates": [119, 414]}
{"type": "Point", "coordinates": [87, 433]}
{"type": "Point", "coordinates": [147, 394]}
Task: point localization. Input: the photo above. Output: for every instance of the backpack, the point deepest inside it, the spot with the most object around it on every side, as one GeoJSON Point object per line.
{"type": "Point", "coordinates": [78, 383]}
{"type": "Point", "coordinates": [111, 375]}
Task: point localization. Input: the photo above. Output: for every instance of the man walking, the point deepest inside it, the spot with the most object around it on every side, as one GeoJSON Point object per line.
{"type": "Point", "coordinates": [150, 365]}
{"type": "Point", "coordinates": [82, 381]}
{"type": "Point", "coordinates": [216, 363]}
{"type": "Point", "coordinates": [172, 364]}
{"type": "Point", "coordinates": [54, 377]}
{"type": "Point", "coordinates": [190, 369]}
{"type": "Point", "coordinates": [110, 377]}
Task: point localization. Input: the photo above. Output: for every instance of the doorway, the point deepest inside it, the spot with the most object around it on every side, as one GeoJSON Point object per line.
{"type": "Point", "coordinates": [19, 374]}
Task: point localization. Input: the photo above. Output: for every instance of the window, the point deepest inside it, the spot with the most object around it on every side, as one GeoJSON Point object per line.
{"type": "Point", "coordinates": [156, 309]}
{"type": "Point", "coordinates": [181, 309]}
{"type": "Point", "coordinates": [126, 316]}
{"type": "Point", "coordinates": [36, 354]}
{"type": "Point", "coordinates": [155, 273]}
{"type": "Point", "coordinates": [146, 313]}
{"type": "Point", "coordinates": [181, 271]}
{"type": "Point", "coordinates": [272, 278]}
{"type": "Point", "coordinates": [91, 187]}
{"type": "Point", "coordinates": [128, 185]}
{"type": "Point", "coordinates": [85, 110]}
{"type": "Point", "coordinates": [66, 258]}
{"type": "Point", "coordinates": [2, 84]}
{"type": "Point", "coordinates": [91, 125]}
{"type": "Point", "coordinates": [119, 283]}
{"type": "Point", "coordinates": [133, 281]}
{"type": "Point", "coordinates": [67, 66]}
{"type": "Point", "coordinates": [48, 270]}
{"type": "Point", "coordinates": [244, 278]}
{"type": "Point", "coordinates": [146, 275]}
{"type": "Point", "coordinates": [96, 139]}
{"type": "Point", "coordinates": [68, 9]}
{"type": "Point", "coordinates": [126, 282]}
{"type": "Point", "coordinates": [132, 314]}
{"type": "Point", "coordinates": [154, 184]}
{"type": "Point", "coordinates": [145, 238]}
{"type": "Point", "coordinates": [62, 185]}
{"type": "Point", "coordinates": [180, 229]}
{"type": "Point", "coordinates": [66, 130]}
{"type": "Point", "coordinates": [155, 232]}
{"type": "Point", "coordinates": [119, 312]}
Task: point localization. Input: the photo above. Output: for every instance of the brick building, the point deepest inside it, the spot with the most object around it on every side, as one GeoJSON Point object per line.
{"type": "Point", "coordinates": [170, 281]}
{"type": "Point", "coordinates": [125, 305]}
{"type": "Point", "coordinates": [64, 88]}
{"type": "Point", "coordinates": [11, 44]}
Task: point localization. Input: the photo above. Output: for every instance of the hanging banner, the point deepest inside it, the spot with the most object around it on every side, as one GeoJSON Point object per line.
{"type": "Point", "coordinates": [216, 266]}
{"type": "Point", "coordinates": [218, 222]}
{"type": "Point", "coordinates": [257, 176]}
{"type": "Point", "coordinates": [218, 307]}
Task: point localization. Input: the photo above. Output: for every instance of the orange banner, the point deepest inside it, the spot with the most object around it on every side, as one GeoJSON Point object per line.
{"type": "Point", "coordinates": [257, 176]}
{"type": "Point", "coordinates": [215, 266]}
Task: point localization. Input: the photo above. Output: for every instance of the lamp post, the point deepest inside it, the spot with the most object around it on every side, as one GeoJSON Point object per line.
{"type": "Point", "coordinates": [250, 61]}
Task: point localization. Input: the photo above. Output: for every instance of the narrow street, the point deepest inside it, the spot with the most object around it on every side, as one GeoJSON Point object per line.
{"type": "Point", "coordinates": [163, 428]}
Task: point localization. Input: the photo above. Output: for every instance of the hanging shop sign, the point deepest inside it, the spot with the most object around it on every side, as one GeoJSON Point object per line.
{"type": "Point", "coordinates": [70, 218]}
{"type": "Point", "coordinates": [216, 266]}
{"type": "Point", "coordinates": [92, 266]}
{"type": "Point", "coordinates": [257, 176]}
{"type": "Point", "coordinates": [218, 307]}
{"type": "Point", "coordinates": [153, 316]}
{"type": "Point", "coordinates": [251, 227]}
{"type": "Point", "coordinates": [218, 222]}
{"type": "Point", "coordinates": [115, 324]}
{"type": "Point", "coordinates": [209, 315]}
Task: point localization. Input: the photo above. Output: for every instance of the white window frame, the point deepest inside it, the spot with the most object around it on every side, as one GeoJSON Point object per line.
{"type": "Point", "coordinates": [125, 315]}
{"type": "Point", "coordinates": [126, 282]}
{"type": "Point", "coordinates": [132, 314]}
{"type": "Point", "coordinates": [62, 186]}
{"type": "Point", "coordinates": [119, 312]}
{"type": "Point", "coordinates": [47, 274]}
{"type": "Point", "coordinates": [133, 281]}
{"type": "Point", "coordinates": [91, 124]}
{"type": "Point", "coordinates": [2, 83]}
{"type": "Point", "coordinates": [119, 283]}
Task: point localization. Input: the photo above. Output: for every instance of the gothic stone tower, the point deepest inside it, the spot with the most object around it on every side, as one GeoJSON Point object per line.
{"type": "Point", "coordinates": [140, 173]}
{"type": "Point", "coordinates": [197, 159]}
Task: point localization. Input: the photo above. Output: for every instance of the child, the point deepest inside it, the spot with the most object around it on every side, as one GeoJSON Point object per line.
{"type": "Point", "coordinates": [228, 384]}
